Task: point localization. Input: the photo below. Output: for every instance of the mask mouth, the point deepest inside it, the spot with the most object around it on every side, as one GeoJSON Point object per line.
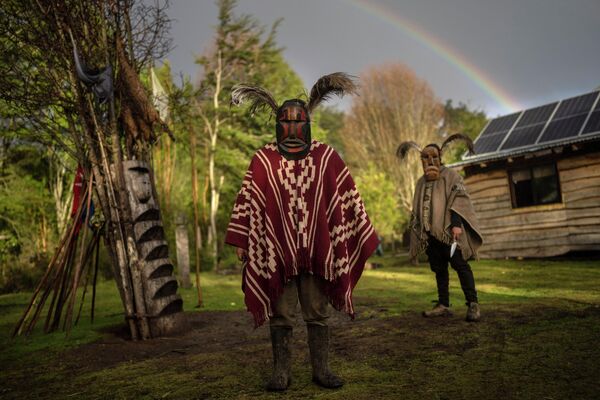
{"type": "Point", "coordinates": [432, 173]}
{"type": "Point", "coordinates": [293, 143]}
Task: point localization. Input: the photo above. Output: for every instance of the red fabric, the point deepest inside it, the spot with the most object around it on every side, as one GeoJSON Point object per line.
{"type": "Point", "coordinates": [300, 216]}
{"type": "Point", "coordinates": [77, 190]}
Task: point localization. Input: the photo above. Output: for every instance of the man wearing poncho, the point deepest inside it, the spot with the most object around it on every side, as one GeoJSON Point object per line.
{"type": "Point", "coordinates": [300, 228]}
{"type": "Point", "coordinates": [444, 225]}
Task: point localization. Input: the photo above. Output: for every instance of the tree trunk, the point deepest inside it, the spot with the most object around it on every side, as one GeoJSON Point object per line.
{"type": "Point", "coordinates": [214, 201]}
{"type": "Point", "coordinates": [215, 190]}
{"type": "Point", "coordinates": [197, 233]}
{"type": "Point", "coordinates": [62, 197]}
{"type": "Point", "coordinates": [183, 253]}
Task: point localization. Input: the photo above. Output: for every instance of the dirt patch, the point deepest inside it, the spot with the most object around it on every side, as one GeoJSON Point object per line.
{"type": "Point", "coordinates": [371, 334]}
{"type": "Point", "coordinates": [223, 331]}
{"type": "Point", "coordinates": [211, 331]}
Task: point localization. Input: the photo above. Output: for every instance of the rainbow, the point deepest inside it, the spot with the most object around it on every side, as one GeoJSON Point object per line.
{"type": "Point", "coordinates": [452, 56]}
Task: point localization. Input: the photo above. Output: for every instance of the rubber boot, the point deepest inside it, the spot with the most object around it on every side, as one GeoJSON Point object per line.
{"type": "Point", "coordinates": [318, 343]}
{"type": "Point", "coordinates": [282, 359]}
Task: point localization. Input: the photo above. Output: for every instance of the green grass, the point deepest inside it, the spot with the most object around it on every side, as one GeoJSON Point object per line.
{"type": "Point", "coordinates": [538, 340]}
{"type": "Point", "coordinates": [220, 293]}
{"type": "Point", "coordinates": [403, 288]}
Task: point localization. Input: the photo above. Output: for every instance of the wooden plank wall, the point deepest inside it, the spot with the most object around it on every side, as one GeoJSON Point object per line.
{"type": "Point", "coordinates": [540, 231]}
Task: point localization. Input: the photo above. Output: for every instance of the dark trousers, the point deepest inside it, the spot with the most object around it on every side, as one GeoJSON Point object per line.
{"type": "Point", "coordinates": [439, 255]}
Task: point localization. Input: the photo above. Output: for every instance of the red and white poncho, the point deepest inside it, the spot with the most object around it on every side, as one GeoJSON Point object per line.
{"type": "Point", "coordinates": [295, 216]}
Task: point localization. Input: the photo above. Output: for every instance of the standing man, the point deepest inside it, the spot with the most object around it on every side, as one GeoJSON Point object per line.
{"type": "Point", "coordinates": [444, 225]}
{"type": "Point", "coordinates": [300, 228]}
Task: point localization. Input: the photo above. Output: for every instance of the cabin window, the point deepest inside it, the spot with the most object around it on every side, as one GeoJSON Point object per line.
{"type": "Point", "coordinates": [535, 185]}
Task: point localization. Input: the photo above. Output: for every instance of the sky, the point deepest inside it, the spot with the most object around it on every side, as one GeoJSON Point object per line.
{"type": "Point", "coordinates": [496, 56]}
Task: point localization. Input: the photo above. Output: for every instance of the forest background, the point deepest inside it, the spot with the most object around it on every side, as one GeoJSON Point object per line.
{"type": "Point", "coordinates": [198, 175]}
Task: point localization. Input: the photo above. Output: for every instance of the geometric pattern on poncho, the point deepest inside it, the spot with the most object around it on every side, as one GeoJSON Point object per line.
{"type": "Point", "coordinates": [300, 216]}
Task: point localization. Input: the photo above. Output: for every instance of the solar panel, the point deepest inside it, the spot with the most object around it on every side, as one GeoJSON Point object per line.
{"type": "Point", "coordinates": [501, 124]}
{"type": "Point", "coordinates": [529, 127]}
{"type": "Point", "coordinates": [523, 136]}
{"type": "Point", "coordinates": [537, 115]}
{"type": "Point", "coordinates": [569, 117]}
{"type": "Point", "coordinates": [576, 105]}
{"type": "Point", "coordinates": [489, 143]}
{"type": "Point", "coordinates": [563, 128]}
{"type": "Point", "coordinates": [593, 124]}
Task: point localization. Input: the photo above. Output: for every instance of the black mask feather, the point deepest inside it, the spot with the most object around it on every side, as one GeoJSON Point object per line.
{"type": "Point", "coordinates": [405, 147]}
{"type": "Point", "coordinates": [459, 136]}
{"type": "Point", "coordinates": [338, 84]}
{"type": "Point", "coordinates": [261, 99]}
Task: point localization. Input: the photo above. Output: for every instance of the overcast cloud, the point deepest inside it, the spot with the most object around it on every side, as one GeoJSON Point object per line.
{"type": "Point", "coordinates": [534, 51]}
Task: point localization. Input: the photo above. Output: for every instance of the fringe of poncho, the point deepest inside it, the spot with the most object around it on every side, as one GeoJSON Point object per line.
{"type": "Point", "coordinates": [300, 216]}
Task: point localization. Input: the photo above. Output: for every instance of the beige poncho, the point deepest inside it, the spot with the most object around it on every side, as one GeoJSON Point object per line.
{"type": "Point", "coordinates": [448, 193]}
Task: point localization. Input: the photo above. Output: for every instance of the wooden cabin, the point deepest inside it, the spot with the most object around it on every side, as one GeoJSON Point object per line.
{"type": "Point", "coordinates": [535, 180]}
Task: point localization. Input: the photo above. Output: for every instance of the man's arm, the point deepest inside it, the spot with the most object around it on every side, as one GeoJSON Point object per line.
{"type": "Point", "coordinates": [455, 224]}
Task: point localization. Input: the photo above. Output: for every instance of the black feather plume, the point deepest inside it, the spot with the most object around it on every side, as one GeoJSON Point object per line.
{"type": "Point", "coordinates": [405, 147]}
{"type": "Point", "coordinates": [338, 83]}
{"type": "Point", "coordinates": [261, 99]}
{"type": "Point", "coordinates": [459, 136]}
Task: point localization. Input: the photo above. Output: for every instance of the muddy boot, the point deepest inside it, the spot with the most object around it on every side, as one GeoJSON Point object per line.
{"type": "Point", "coordinates": [439, 310]}
{"type": "Point", "coordinates": [473, 312]}
{"type": "Point", "coordinates": [282, 359]}
{"type": "Point", "coordinates": [318, 343]}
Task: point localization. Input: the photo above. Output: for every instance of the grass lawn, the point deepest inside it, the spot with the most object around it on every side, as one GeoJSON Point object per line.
{"type": "Point", "coordinates": [538, 339]}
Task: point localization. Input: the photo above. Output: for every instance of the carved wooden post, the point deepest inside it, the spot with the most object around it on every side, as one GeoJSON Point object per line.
{"type": "Point", "coordinates": [164, 307]}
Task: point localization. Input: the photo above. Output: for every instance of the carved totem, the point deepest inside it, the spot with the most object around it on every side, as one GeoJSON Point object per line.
{"type": "Point", "coordinates": [163, 308]}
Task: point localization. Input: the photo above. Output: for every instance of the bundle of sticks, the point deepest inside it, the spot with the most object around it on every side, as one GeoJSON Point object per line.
{"type": "Point", "coordinates": [75, 259]}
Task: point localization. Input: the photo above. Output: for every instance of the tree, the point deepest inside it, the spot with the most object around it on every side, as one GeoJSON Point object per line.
{"type": "Point", "coordinates": [61, 175]}
{"type": "Point", "coordinates": [331, 120]}
{"type": "Point", "coordinates": [375, 188]}
{"type": "Point", "coordinates": [241, 52]}
{"type": "Point", "coordinates": [393, 106]}
{"type": "Point", "coordinates": [27, 213]}
{"type": "Point", "coordinates": [183, 104]}
{"type": "Point", "coordinates": [464, 120]}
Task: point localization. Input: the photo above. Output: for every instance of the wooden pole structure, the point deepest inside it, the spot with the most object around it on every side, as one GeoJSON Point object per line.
{"type": "Point", "coordinates": [139, 259]}
{"type": "Point", "coordinates": [80, 264]}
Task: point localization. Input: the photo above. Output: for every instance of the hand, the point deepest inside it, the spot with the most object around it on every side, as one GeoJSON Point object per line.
{"type": "Point", "coordinates": [242, 254]}
{"type": "Point", "coordinates": [456, 232]}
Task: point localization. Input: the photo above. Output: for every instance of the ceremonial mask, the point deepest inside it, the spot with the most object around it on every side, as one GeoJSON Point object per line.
{"type": "Point", "coordinates": [430, 158]}
{"type": "Point", "coordinates": [431, 155]}
{"type": "Point", "coordinates": [293, 130]}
